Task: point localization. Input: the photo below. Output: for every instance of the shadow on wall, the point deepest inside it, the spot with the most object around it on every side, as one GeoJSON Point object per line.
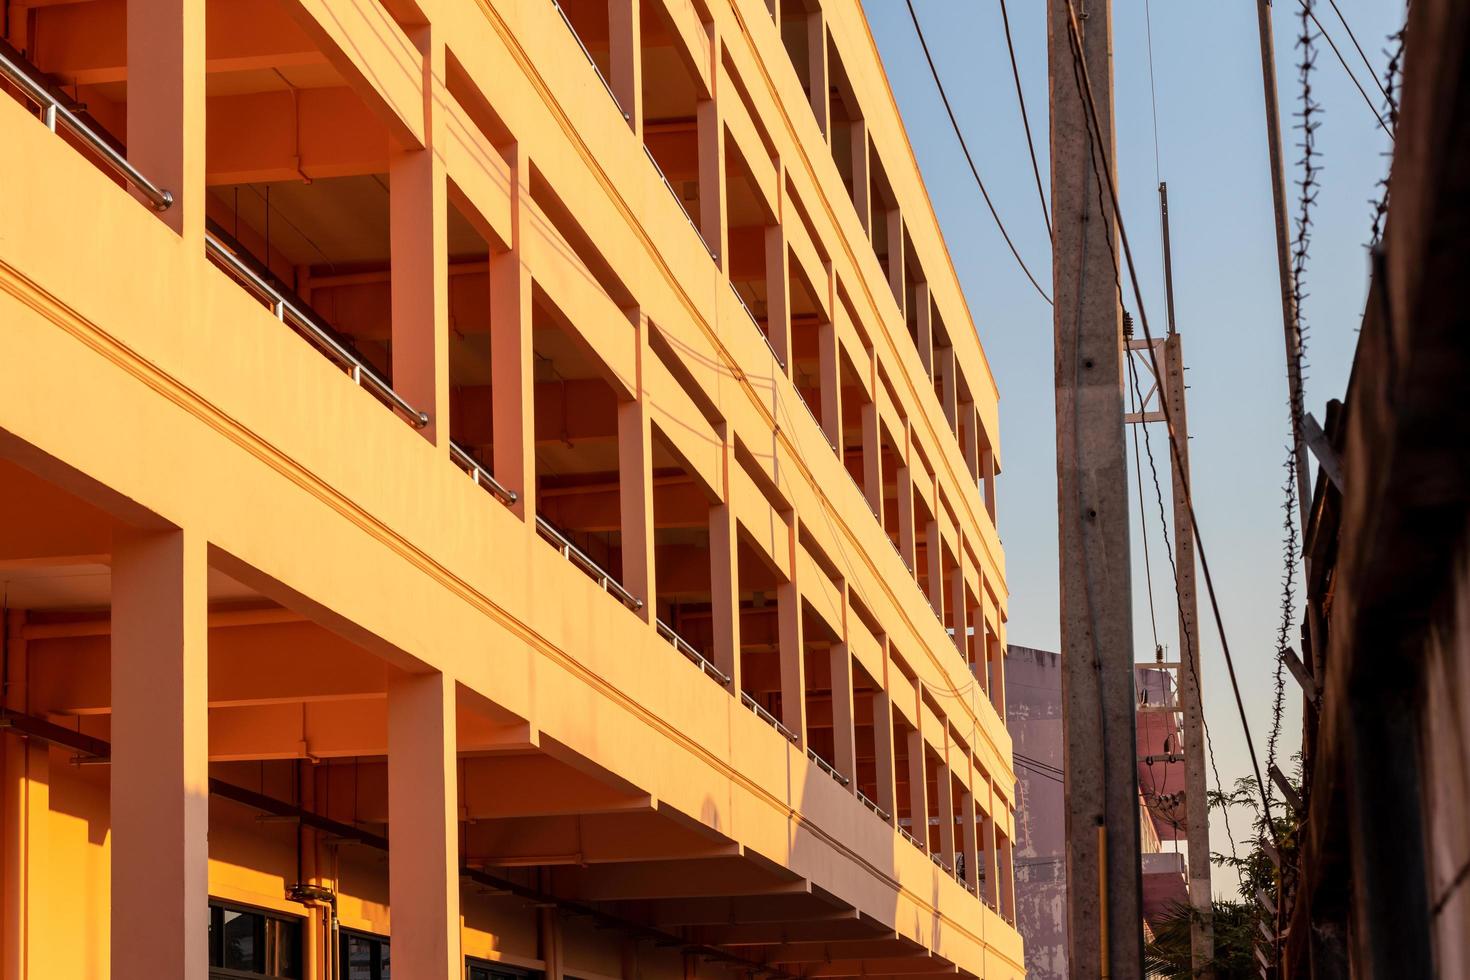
{"type": "Point", "coordinates": [1034, 717]}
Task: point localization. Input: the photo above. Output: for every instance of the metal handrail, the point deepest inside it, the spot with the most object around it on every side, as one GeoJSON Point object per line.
{"type": "Point", "coordinates": [826, 766]}
{"type": "Point", "coordinates": [590, 60]}
{"type": "Point", "coordinates": [766, 716]}
{"type": "Point", "coordinates": [53, 111]}
{"type": "Point", "coordinates": [481, 475]}
{"type": "Point", "coordinates": [679, 201]}
{"type": "Point", "coordinates": [942, 866]}
{"type": "Point", "coordinates": [913, 840]}
{"type": "Point", "coordinates": [764, 336]}
{"type": "Point", "coordinates": [883, 814]}
{"type": "Point", "coordinates": [284, 310]}
{"type": "Point", "coordinates": [577, 556]}
{"type": "Point", "coordinates": [687, 649]}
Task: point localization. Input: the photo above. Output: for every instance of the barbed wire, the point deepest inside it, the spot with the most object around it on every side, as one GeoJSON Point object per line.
{"type": "Point", "coordinates": [1289, 548]}
{"type": "Point", "coordinates": [1392, 77]}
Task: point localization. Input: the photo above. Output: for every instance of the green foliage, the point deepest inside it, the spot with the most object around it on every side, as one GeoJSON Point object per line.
{"type": "Point", "coordinates": [1168, 955]}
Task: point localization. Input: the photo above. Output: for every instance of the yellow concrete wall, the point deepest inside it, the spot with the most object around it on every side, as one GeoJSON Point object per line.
{"type": "Point", "coordinates": [201, 409]}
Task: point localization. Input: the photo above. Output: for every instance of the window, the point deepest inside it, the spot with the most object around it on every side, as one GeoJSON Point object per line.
{"type": "Point", "coordinates": [364, 956]}
{"type": "Point", "coordinates": [248, 942]}
{"type": "Point", "coordinates": [485, 970]}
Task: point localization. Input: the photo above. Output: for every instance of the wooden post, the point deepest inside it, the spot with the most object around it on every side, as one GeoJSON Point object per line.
{"type": "Point", "coordinates": [1104, 914]}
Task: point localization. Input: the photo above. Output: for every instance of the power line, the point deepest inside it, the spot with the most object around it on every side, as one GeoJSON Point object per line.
{"type": "Point", "coordinates": [1005, 19]}
{"type": "Point", "coordinates": [1148, 571]}
{"type": "Point", "coordinates": [1354, 38]}
{"type": "Point", "coordinates": [969, 159]}
{"type": "Point", "coordinates": [1153, 97]}
{"type": "Point", "coordinates": [1189, 654]}
{"type": "Point", "coordinates": [1084, 84]}
{"type": "Point", "coordinates": [1307, 8]}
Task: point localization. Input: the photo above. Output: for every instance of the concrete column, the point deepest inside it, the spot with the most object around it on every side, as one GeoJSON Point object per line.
{"type": "Point", "coordinates": [830, 370]}
{"type": "Point", "coordinates": [907, 542]}
{"type": "Point", "coordinates": [816, 46]}
{"type": "Point", "coordinates": [513, 387]}
{"type": "Point", "coordinates": [872, 460]}
{"type": "Point", "coordinates": [635, 486]}
{"type": "Point", "coordinates": [793, 659]}
{"type": "Point", "coordinates": [25, 941]}
{"type": "Point", "coordinates": [970, 444]}
{"type": "Point", "coordinates": [946, 812]}
{"type": "Point", "coordinates": [725, 591]}
{"type": "Point", "coordinates": [862, 177]}
{"type": "Point", "coordinates": [959, 606]}
{"type": "Point", "coordinates": [418, 212]}
{"type": "Point", "coordinates": [996, 651]}
{"type": "Point", "coordinates": [924, 319]}
{"type": "Point", "coordinates": [949, 399]}
{"type": "Point", "coordinates": [423, 824]}
{"type": "Point", "coordinates": [934, 557]}
{"type": "Point", "coordinates": [778, 293]}
{"type": "Point", "coordinates": [552, 954]}
{"type": "Point", "coordinates": [883, 752]}
{"type": "Point", "coordinates": [160, 756]}
{"type": "Point", "coordinates": [844, 734]}
{"type": "Point", "coordinates": [625, 55]}
{"type": "Point", "coordinates": [165, 112]}
{"type": "Point", "coordinates": [969, 840]}
{"type": "Point", "coordinates": [987, 480]}
{"type": "Point", "coordinates": [894, 217]}
{"type": "Point", "coordinates": [991, 893]}
{"type": "Point", "coordinates": [1006, 877]}
{"type": "Point", "coordinates": [918, 789]}
{"type": "Point", "coordinates": [712, 207]}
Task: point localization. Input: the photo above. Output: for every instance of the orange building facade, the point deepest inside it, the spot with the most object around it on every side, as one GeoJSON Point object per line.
{"type": "Point", "coordinates": [490, 488]}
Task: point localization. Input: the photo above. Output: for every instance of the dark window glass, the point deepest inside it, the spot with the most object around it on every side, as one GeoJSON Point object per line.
{"type": "Point", "coordinates": [245, 942]}
{"type": "Point", "coordinates": [365, 957]}
{"type": "Point", "coordinates": [485, 970]}
{"type": "Point", "coordinates": [242, 941]}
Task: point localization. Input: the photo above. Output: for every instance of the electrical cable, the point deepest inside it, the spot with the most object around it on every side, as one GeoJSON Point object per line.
{"type": "Point", "coordinates": [1354, 38]}
{"type": "Point", "coordinates": [1153, 96]}
{"type": "Point", "coordinates": [1148, 572]}
{"type": "Point", "coordinates": [1188, 654]}
{"type": "Point", "coordinates": [968, 158]}
{"type": "Point", "coordinates": [1104, 175]}
{"type": "Point", "coordinates": [1307, 9]}
{"type": "Point", "coordinates": [1005, 19]}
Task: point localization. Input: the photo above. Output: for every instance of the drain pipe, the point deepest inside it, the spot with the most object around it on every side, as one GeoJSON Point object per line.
{"type": "Point", "coordinates": [322, 897]}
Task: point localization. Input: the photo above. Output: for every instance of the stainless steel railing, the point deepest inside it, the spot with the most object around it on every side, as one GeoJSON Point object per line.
{"type": "Point", "coordinates": [766, 716]}
{"type": "Point", "coordinates": [757, 324]}
{"type": "Point", "coordinates": [883, 814]}
{"type": "Point", "coordinates": [687, 649]}
{"type": "Point", "coordinates": [912, 840]}
{"type": "Point", "coordinates": [584, 561]}
{"type": "Point", "coordinates": [53, 112]}
{"type": "Point", "coordinates": [481, 476]}
{"type": "Point", "coordinates": [288, 312]}
{"type": "Point", "coordinates": [679, 201]}
{"type": "Point", "coordinates": [590, 60]}
{"type": "Point", "coordinates": [826, 766]}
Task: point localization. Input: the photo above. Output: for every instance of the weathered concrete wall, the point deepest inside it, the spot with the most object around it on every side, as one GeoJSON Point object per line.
{"type": "Point", "coordinates": [1445, 742]}
{"type": "Point", "coordinates": [1034, 716]}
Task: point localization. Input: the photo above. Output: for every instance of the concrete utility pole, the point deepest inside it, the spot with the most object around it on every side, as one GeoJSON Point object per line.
{"type": "Point", "coordinates": [1104, 907]}
{"type": "Point", "coordinates": [1168, 354]}
{"type": "Point", "coordinates": [1283, 256]}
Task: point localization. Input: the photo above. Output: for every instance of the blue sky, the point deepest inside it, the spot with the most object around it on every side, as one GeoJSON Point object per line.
{"type": "Point", "coordinates": [1212, 152]}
